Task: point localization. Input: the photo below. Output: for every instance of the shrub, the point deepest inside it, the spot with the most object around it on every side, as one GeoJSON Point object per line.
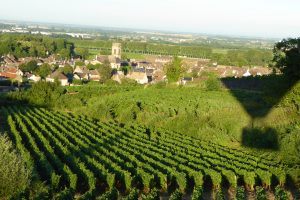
{"type": "Point", "coordinates": [14, 175]}
{"type": "Point", "coordinates": [240, 193]}
{"type": "Point", "coordinates": [77, 82]}
{"type": "Point", "coordinates": [110, 179]}
{"type": "Point", "coordinates": [112, 194]}
{"type": "Point", "coordinates": [213, 83]}
{"type": "Point", "coordinates": [220, 195]}
{"type": "Point", "coordinates": [249, 178]}
{"type": "Point", "coordinates": [133, 195]}
{"type": "Point", "coordinates": [197, 193]}
{"type": "Point", "coordinates": [198, 178]}
{"type": "Point", "coordinates": [163, 181]}
{"type": "Point", "coordinates": [40, 94]}
{"type": "Point", "coordinates": [127, 180]}
{"type": "Point", "coordinates": [280, 194]}
{"type": "Point", "coordinates": [265, 177]}
{"type": "Point", "coordinates": [66, 194]}
{"type": "Point", "coordinates": [181, 181]}
{"type": "Point", "coordinates": [216, 178]}
{"type": "Point", "coordinates": [176, 195]}
{"type": "Point", "coordinates": [261, 193]}
{"type": "Point", "coordinates": [153, 195]}
{"type": "Point", "coordinates": [231, 177]}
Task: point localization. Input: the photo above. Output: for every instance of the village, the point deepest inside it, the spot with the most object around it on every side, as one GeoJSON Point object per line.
{"type": "Point", "coordinates": [146, 71]}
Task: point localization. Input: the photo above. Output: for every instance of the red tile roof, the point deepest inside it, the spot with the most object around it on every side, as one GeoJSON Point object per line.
{"type": "Point", "coordinates": [8, 75]}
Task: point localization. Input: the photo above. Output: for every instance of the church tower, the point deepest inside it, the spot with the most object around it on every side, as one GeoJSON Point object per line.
{"type": "Point", "coordinates": [116, 50]}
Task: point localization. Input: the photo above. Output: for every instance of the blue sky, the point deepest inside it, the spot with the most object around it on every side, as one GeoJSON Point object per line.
{"type": "Point", "coordinates": [264, 18]}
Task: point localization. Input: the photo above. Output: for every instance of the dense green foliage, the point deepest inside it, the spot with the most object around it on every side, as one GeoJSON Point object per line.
{"type": "Point", "coordinates": [24, 45]}
{"type": "Point", "coordinates": [44, 94]}
{"type": "Point", "coordinates": [174, 70]}
{"type": "Point", "coordinates": [198, 193]}
{"type": "Point", "coordinates": [82, 52]}
{"type": "Point", "coordinates": [240, 194]}
{"type": "Point", "coordinates": [29, 66]}
{"type": "Point", "coordinates": [251, 57]}
{"type": "Point", "coordinates": [280, 194]}
{"type": "Point", "coordinates": [14, 174]}
{"type": "Point", "coordinates": [44, 70]}
{"type": "Point", "coordinates": [176, 195]}
{"type": "Point", "coordinates": [287, 57]}
{"type": "Point", "coordinates": [261, 193]}
{"type": "Point", "coordinates": [106, 71]}
{"type": "Point", "coordinates": [78, 152]}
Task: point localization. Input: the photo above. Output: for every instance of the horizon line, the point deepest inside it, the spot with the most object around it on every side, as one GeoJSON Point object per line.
{"type": "Point", "coordinates": [72, 25]}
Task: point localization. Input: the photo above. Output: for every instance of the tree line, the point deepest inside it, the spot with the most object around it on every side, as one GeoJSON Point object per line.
{"type": "Point", "coordinates": [236, 57]}
{"type": "Point", "coordinates": [25, 45]}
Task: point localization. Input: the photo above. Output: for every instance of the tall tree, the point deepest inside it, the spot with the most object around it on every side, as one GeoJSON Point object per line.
{"type": "Point", "coordinates": [105, 71]}
{"type": "Point", "coordinates": [82, 52]}
{"type": "Point", "coordinates": [29, 66]}
{"type": "Point", "coordinates": [43, 71]}
{"type": "Point", "coordinates": [67, 70]}
{"type": "Point", "coordinates": [287, 57]}
{"type": "Point", "coordinates": [174, 70]}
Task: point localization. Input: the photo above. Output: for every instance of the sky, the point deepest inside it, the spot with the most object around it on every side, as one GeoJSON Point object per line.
{"type": "Point", "coordinates": [260, 18]}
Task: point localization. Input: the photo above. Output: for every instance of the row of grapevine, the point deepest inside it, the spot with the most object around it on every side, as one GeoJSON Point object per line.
{"type": "Point", "coordinates": [80, 156]}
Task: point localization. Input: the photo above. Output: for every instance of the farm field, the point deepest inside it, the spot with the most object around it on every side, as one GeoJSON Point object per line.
{"type": "Point", "coordinates": [80, 157]}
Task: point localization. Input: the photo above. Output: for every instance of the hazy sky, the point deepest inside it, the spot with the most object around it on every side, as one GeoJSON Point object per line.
{"type": "Point", "coordinates": [266, 18]}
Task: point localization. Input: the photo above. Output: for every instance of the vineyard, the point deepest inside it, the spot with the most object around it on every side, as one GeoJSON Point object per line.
{"type": "Point", "coordinates": [83, 158]}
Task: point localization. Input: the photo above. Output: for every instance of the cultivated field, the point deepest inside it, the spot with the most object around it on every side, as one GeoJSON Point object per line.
{"type": "Point", "coordinates": [87, 159]}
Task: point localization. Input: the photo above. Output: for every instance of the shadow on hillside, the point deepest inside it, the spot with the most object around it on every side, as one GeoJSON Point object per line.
{"type": "Point", "coordinates": [258, 96]}
{"type": "Point", "coordinates": [12, 102]}
{"type": "Point", "coordinates": [266, 138]}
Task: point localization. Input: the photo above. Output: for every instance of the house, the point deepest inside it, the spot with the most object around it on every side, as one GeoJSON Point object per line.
{"type": "Point", "coordinates": [81, 76]}
{"type": "Point", "coordinates": [115, 62]}
{"type": "Point", "coordinates": [158, 76]}
{"type": "Point", "coordinates": [118, 76]}
{"type": "Point", "coordinates": [163, 59]}
{"type": "Point", "coordinates": [14, 70]}
{"type": "Point", "coordinates": [11, 73]}
{"type": "Point", "coordinates": [101, 58]}
{"type": "Point", "coordinates": [81, 70]}
{"type": "Point", "coordinates": [203, 63]}
{"type": "Point", "coordinates": [95, 62]}
{"type": "Point", "coordinates": [215, 64]}
{"type": "Point", "coordinates": [260, 71]}
{"type": "Point", "coordinates": [39, 62]}
{"type": "Point", "coordinates": [247, 73]}
{"type": "Point", "coordinates": [149, 73]}
{"type": "Point", "coordinates": [33, 77]}
{"type": "Point", "coordinates": [50, 60]}
{"type": "Point", "coordinates": [58, 76]}
{"type": "Point", "coordinates": [144, 64]}
{"type": "Point", "coordinates": [140, 77]}
{"type": "Point", "coordinates": [94, 75]}
{"type": "Point", "coordinates": [5, 76]}
{"type": "Point", "coordinates": [10, 60]}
